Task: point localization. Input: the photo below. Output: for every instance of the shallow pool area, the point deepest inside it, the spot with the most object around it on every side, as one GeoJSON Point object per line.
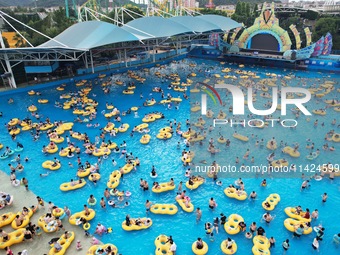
{"type": "Point", "coordinates": [165, 156]}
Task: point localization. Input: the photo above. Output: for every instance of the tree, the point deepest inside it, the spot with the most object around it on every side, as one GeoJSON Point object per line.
{"type": "Point", "coordinates": [311, 15]}
{"type": "Point", "coordinates": [324, 25]}
{"type": "Point", "coordinates": [247, 10]}
{"type": "Point", "coordinates": [243, 8]}
{"type": "Point", "coordinates": [255, 10]}
{"type": "Point", "coordinates": [238, 9]}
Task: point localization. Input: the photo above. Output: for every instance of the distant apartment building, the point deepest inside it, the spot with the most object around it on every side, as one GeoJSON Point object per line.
{"type": "Point", "coordinates": [229, 9]}
{"type": "Point", "coordinates": [190, 4]}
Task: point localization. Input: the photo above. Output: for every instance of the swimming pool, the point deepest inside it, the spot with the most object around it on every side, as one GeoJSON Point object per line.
{"type": "Point", "coordinates": [165, 156]}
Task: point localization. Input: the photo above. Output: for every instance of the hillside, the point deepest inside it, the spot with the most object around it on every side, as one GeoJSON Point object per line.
{"type": "Point", "coordinates": [40, 3]}
{"type": "Point", "coordinates": [226, 2]}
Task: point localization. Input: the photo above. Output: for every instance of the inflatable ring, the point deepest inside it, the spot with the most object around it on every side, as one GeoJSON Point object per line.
{"type": "Point", "coordinates": [249, 235]}
{"type": "Point", "coordinates": [318, 178]}
{"type": "Point", "coordinates": [162, 246]}
{"type": "Point", "coordinates": [134, 108]}
{"type": "Point", "coordinates": [336, 239]}
{"type": "Point", "coordinates": [128, 193]}
{"type": "Point", "coordinates": [16, 183]}
{"type": "Point", "coordinates": [58, 212]}
{"type": "Point", "coordinates": [153, 176]}
{"type": "Point", "coordinates": [92, 204]}
{"type": "Point", "coordinates": [231, 226]}
{"type": "Point", "coordinates": [202, 251]}
{"type": "Point", "coordinates": [52, 226]}
{"type": "Point", "coordinates": [86, 226]}
{"type": "Point", "coordinates": [272, 200]}
{"type": "Point", "coordinates": [225, 249]}
{"type": "Point", "coordinates": [110, 202]}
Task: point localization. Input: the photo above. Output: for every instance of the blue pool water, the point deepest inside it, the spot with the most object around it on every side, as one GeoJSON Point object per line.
{"type": "Point", "coordinates": [165, 156]}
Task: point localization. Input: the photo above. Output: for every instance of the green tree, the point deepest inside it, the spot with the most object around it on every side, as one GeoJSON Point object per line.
{"type": "Point", "coordinates": [243, 8]}
{"type": "Point", "coordinates": [324, 25]}
{"type": "Point", "coordinates": [238, 9]}
{"type": "Point", "coordinates": [311, 15]}
{"type": "Point", "coordinates": [212, 11]}
{"type": "Point", "coordinates": [247, 10]}
{"type": "Point", "coordinates": [255, 10]}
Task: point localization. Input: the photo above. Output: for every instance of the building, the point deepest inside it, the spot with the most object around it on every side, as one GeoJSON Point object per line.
{"type": "Point", "coordinates": [229, 9]}
{"type": "Point", "coordinates": [189, 4]}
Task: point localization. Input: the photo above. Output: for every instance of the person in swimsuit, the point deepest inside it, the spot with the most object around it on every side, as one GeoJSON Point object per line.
{"type": "Point", "coordinates": [28, 235]}
{"type": "Point", "coordinates": [212, 203]}
{"type": "Point", "coordinates": [147, 206]}
{"type": "Point", "coordinates": [199, 243]}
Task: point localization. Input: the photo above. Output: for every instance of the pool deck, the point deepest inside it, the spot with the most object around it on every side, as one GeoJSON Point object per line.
{"type": "Point", "coordinates": [40, 243]}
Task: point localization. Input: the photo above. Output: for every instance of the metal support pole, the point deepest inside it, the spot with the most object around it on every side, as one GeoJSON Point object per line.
{"type": "Point", "coordinates": [92, 67]}
{"type": "Point", "coordinates": [8, 64]}
{"type": "Point", "coordinates": [154, 52]}
{"type": "Point", "coordinates": [176, 46]}
{"type": "Point", "coordinates": [125, 58]}
{"type": "Point", "coordinates": [86, 63]}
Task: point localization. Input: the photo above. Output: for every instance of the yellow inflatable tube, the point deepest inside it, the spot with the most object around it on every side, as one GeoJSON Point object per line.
{"type": "Point", "coordinates": [169, 209]}
{"type": "Point", "coordinates": [291, 223]}
{"type": "Point", "coordinates": [273, 200]}
{"type": "Point", "coordinates": [188, 209]}
{"type": "Point", "coordinates": [114, 179]}
{"type": "Point", "coordinates": [241, 137]}
{"type": "Point", "coordinates": [291, 212]}
{"type": "Point", "coordinates": [145, 139]}
{"type": "Point", "coordinates": [64, 242]}
{"type": "Point", "coordinates": [52, 226]}
{"type": "Point", "coordinates": [66, 186]}
{"type": "Point", "coordinates": [162, 246]}
{"type": "Point", "coordinates": [225, 250]}
{"type": "Point", "coordinates": [257, 251]}
{"type": "Point", "coordinates": [133, 226]}
{"type": "Point", "coordinates": [85, 173]}
{"type": "Point", "coordinates": [231, 192]}
{"type": "Point", "coordinates": [127, 168]}
{"type": "Point", "coordinates": [92, 250]}
{"type": "Point", "coordinates": [231, 226]}
{"type": "Point", "coordinates": [25, 221]}
{"type": "Point", "coordinates": [6, 218]}
{"type": "Point", "coordinates": [202, 251]}
{"type": "Point", "coordinates": [165, 186]}
{"type": "Point", "coordinates": [289, 150]}
{"type": "Point", "coordinates": [196, 184]}
{"type": "Point", "coordinates": [14, 237]}
{"type": "Point", "coordinates": [48, 164]}
{"type": "Point", "coordinates": [74, 217]}
{"type": "Point", "coordinates": [261, 243]}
